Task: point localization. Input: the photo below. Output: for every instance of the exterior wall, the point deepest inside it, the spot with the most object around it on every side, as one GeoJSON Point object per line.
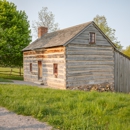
{"type": "Point", "coordinates": [48, 58]}
{"type": "Point", "coordinates": [87, 63]}
{"type": "Point", "coordinates": [83, 38]}
{"type": "Point", "coordinates": [29, 57]}
{"type": "Point", "coordinates": [80, 63]}
{"type": "Point", "coordinates": [122, 73]}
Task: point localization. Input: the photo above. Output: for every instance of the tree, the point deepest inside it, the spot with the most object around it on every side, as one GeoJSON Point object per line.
{"type": "Point", "coordinates": [47, 19]}
{"type": "Point", "coordinates": [127, 51]}
{"type": "Point", "coordinates": [14, 34]}
{"type": "Point", "coordinates": [109, 32]}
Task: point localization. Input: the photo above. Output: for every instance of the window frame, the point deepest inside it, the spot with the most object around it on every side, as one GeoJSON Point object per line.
{"type": "Point", "coordinates": [91, 38]}
{"type": "Point", "coordinates": [55, 69]}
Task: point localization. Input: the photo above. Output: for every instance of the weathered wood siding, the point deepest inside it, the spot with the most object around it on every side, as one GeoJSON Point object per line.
{"type": "Point", "coordinates": [83, 38]}
{"type": "Point", "coordinates": [29, 57]}
{"type": "Point", "coordinates": [48, 58]}
{"type": "Point", "coordinates": [87, 63]}
{"type": "Point", "coordinates": [122, 73]}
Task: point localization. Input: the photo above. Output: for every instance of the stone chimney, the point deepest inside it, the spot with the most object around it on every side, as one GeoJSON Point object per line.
{"type": "Point", "coordinates": [42, 31]}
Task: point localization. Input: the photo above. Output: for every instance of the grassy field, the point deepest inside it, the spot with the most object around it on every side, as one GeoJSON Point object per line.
{"type": "Point", "coordinates": [69, 110]}
{"type": "Point", "coordinates": [5, 73]}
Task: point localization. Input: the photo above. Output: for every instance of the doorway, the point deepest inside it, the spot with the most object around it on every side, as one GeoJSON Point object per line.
{"type": "Point", "coordinates": [39, 69]}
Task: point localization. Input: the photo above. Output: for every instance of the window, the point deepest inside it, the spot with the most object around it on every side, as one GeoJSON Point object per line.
{"type": "Point", "coordinates": [92, 37]}
{"type": "Point", "coordinates": [30, 67]}
{"type": "Point", "coordinates": [55, 70]}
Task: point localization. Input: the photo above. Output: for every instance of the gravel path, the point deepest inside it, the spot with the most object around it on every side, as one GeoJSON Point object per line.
{"type": "Point", "coordinates": [11, 121]}
{"type": "Point", "coordinates": [29, 83]}
{"type": "Point", "coordinates": [24, 83]}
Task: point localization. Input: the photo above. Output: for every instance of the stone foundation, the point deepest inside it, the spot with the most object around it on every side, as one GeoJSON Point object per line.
{"type": "Point", "coordinates": [104, 87]}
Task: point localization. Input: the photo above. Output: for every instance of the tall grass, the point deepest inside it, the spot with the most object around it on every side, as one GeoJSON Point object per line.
{"type": "Point", "coordinates": [69, 110]}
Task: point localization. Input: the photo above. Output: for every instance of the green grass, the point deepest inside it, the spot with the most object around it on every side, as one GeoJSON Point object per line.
{"type": "Point", "coordinates": [5, 80]}
{"type": "Point", "coordinates": [69, 110]}
{"type": "Point", "coordinates": [5, 73]}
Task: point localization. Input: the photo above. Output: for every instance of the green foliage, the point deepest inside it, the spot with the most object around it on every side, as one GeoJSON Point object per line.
{"type": "Point", "coordinates": [101, 22]}
{"type": "Point", "coordinates": [69, 110]}
{"type": "Point", "coordinates": [14, 34]}
{"type": "Point", "coordinates": [127, 51]}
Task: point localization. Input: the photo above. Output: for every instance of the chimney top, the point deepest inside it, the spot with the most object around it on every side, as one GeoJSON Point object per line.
{"type": "Point", "coordinates": [41, 31]}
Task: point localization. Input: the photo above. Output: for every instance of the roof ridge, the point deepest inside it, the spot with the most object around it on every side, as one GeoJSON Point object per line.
{"type": "Point", "coordinates": [70, 27]}
{"type": "Point", "coordinates": [74, 26]}
{"type": "Point", "coordinates": [64, 29]}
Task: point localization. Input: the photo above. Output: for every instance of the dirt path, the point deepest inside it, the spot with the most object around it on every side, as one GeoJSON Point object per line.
{"type": "Point", "coordinates": [11, 121]}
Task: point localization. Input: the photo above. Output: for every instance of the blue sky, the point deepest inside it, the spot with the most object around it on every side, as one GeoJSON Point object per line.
{"type": "Point", "coordinates": [71, 12]}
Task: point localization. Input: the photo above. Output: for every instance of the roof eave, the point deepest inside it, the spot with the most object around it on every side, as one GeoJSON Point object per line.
{"type": "Point", "coordinates": [42, 48]}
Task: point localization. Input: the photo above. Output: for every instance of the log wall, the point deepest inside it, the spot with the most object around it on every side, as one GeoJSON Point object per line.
{"type": "Point", "coordinates": [89, 63]}
{"type": "Point", "coordinates": [80, 63]}
{"type": "Point", "coordinates": [48, 58]}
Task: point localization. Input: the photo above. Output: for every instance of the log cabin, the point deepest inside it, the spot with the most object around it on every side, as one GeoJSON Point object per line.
{"type": "Point", "coordinates": [75, 56]}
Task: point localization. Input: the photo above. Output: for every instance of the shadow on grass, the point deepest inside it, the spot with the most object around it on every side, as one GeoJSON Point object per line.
{"type": "Point", "coordinates": [5, 80]}
{"type": "Point", "coordinates": [10, 77]}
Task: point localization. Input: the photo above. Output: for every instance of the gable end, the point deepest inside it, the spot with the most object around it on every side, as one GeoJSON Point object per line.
{"type": "Point", "coordinates": [83, 37]}
{"type": "Point", "coordinates": [77, 35]}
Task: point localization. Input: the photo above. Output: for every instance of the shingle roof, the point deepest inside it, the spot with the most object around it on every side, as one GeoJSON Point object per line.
{"type": "Point", "coordinates": [57, 38]}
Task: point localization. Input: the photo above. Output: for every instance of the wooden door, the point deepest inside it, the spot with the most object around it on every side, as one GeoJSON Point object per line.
{"type": "Point", "coordinates": [39, 69]}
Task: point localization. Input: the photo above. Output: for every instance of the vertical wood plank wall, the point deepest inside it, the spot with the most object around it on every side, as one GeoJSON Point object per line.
{"type": "Point", "coordinates": [122, 73]}
{"type": "Point", "coordinates": [48, 58]}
